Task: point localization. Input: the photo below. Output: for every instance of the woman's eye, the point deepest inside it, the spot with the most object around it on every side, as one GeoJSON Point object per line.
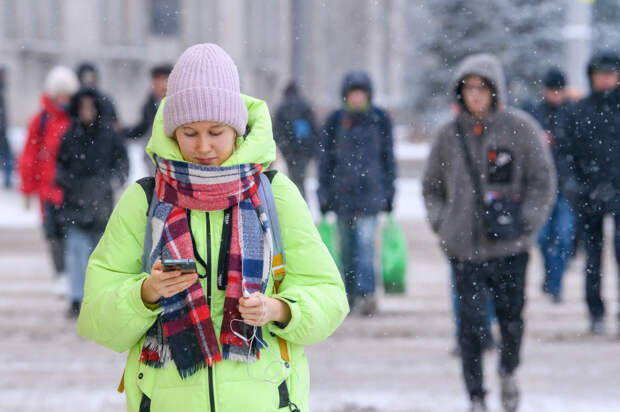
{"type": "Point", "coordinates": [216, 134]}
{"type": "Point", "coordinates": [190, 134]}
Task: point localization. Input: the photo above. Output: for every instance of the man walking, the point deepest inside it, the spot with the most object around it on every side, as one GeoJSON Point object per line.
{"type": "Point", "coordinates": [594, 150]}
{"type": "Point", "coordinates": [556, 238]}
{"type": "Point", "coordinates": [356, 181]}
{"type": "Point", "coordinates": [488, 186]}
{"type": "Point", "coordinates": [295, 133]}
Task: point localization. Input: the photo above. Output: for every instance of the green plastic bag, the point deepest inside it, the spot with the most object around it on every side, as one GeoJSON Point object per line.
{"type": "Point", "coordinates": [393, 257]}
{"type": "Point", "coordinates": [329, 235]}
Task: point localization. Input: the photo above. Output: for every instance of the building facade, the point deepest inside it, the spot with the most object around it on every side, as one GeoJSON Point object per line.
{"type": "Point", "coordinates": [272, 41]}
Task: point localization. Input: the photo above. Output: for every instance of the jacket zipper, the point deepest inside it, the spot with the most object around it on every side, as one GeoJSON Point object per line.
{"type": "Point", "coordinates": [209, 279]}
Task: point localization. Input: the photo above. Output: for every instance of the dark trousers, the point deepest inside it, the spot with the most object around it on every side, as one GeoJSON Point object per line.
{"type": "Point", "coordinates": [55, 234]}
{"type": "Point", "coordinates": [592, 225]}
{"type": "Point", "coordinates": [504, 280]}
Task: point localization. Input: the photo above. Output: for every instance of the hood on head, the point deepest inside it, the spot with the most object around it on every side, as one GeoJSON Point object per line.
{"type": "Point", "coordinates": [258, 146]}
{"type": "Point", "coordinates": [74, 106]}
{"type": "Point", "coordinates": [356, 79]}
{"type": "Point", "coordinates": [483, 65]}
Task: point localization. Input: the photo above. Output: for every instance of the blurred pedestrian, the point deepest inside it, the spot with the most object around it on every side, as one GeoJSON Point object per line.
{"type": "Point", "coordinates": [594, 151]}
{"type": "Point", "coordinates": [296, 135]}
{"type": "Point", "coordinates": [488, 187]}
{"type": "Point", "coordinates": [142, 131]}
{"type": "Point", "coordinates": [92, 161]}
{"type": "Point", "coordinates": [218, 336]}
{"type": "Point", "coordinates": [556, 238]}
{"type": "Point", "coordinates": [357, 173]}
{"type": "Point", "coordinates": [6, 155]}
{"type": "Point", "coordinates": [38, 161]}
{"type": "Point", "coordinates": [88, 76]}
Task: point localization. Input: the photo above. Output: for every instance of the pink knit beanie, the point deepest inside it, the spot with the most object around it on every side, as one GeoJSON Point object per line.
{"type": "Point", "coordinates": [204, 86]}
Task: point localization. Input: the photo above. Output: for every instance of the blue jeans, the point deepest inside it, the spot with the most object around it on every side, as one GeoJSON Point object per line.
{"type": "Point", "coordinates": [357, 247]}
{"type": "Point", "coordinates": [80, 244]}
{"type": "Point", "coordinates": [489, 310]}
{"type": "Point", "coordinates": [556, 241]}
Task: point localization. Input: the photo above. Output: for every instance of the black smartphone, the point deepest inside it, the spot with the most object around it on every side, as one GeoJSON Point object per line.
{"type": "Point", "coordinates": [184, 265]}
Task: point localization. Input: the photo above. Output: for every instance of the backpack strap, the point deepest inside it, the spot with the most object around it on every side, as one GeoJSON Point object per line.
{"type": "Point", "coordinates": [148, 185]}
{"type": "Point", "coordinates": [266, 196]}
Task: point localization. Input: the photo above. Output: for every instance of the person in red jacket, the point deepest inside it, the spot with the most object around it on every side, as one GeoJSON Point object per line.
{"type": "Point", "coordinates": [37, 163]}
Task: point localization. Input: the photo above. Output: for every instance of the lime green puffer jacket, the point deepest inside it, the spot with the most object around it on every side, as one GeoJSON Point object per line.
{"type": "Point", "coordinates": [114, 316]}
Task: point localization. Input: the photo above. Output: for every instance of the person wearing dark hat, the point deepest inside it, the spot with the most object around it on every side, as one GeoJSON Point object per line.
{"type": "Point", "coordinates": [594, 151]}
{"type": "Point", "coordinates": [556, 236]}
{"type": "Point", "coordinates": [295, 133]}
{"type": "Point", "coordinates": [356, 181]}
{"type": "Point", "coordinates": [159, 86]}
{"type": "Point", "coordinates": [88, 76]}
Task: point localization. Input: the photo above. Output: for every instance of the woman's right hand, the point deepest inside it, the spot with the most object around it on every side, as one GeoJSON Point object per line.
{"type": "Point", "coordinates": [165, 284]}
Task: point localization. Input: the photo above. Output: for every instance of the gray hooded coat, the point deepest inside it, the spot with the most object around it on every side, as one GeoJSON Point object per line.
{"type": "Point", "coordinates": [526, 173]}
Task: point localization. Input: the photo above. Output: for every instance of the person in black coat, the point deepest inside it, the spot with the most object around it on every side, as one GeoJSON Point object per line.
{"type": "Point", "coordinates": [142, 130]}
{"type": "Point", "coordinates": [556, 238]}
{"type": "Point", "coordinates": [594, 138]}
{"type": "Point", "coordinates": [159, 85]}
{"type": "Point", "coordinates": [92, 161]}
{"type": "Point", "coordinates": [295, 133]}
{"type": "Point", "coordinates": [89, 77]}
{"type": "Point", "coordinates": [357, 172]}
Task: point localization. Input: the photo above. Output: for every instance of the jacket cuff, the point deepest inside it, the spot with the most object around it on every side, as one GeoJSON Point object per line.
{"type": "Point", "coordinates": [138, 304]}
{"type": "Point", "coordinates": [281, 329]}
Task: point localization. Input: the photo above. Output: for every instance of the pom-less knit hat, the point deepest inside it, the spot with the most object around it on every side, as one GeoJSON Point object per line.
{"type": "Point", "coordinates": [61, 80]}
{"type": "Point", "coordinates": [204, 86]}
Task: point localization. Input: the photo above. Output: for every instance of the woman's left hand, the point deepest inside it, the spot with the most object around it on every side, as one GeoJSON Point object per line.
{"type": "Point", "coordinates": [258, 309]}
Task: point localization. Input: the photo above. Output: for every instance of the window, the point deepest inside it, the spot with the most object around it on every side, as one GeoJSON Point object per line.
{"type": "Point", "coordinates": [164, 17]}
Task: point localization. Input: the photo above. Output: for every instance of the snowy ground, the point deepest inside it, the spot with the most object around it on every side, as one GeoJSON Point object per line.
{"type": "Point", "coordinates": [398, 361]}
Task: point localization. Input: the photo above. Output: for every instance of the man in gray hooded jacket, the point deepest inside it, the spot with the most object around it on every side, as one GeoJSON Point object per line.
{"type": "Point", "coordinates": [486, 207]}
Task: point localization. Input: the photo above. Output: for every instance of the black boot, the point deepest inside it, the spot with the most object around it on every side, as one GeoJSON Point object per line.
{"type": "Point", "coordinates": [74, 309]}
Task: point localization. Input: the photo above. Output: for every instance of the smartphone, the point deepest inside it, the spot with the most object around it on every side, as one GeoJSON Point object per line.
{"type": "Point", "coordinates": [184, 265]}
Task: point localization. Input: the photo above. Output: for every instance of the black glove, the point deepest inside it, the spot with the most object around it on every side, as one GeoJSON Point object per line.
{"type": "Point", "coordinates": [388, 206]}
{"type": "Point", "coordinates": [325, 209]}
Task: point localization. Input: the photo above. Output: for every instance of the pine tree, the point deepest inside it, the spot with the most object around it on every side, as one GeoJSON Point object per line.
{"type": "Point", "coordinates": [606, 25]}
{"type": "Point", "coordinates": [524, 34]}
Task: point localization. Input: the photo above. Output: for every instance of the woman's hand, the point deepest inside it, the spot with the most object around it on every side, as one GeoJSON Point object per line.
{"type": "Point", "coordinates": [258, 309]}
{"type": "Point", "coordinates": [165, 284]}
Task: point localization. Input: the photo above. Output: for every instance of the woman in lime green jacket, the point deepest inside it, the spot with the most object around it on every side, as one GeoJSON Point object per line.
{"type": "Point", "coordinates": [220, 338]}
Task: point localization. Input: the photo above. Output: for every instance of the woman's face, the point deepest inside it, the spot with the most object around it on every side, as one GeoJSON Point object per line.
{"type": "Point", "coordinates": [206, 143]}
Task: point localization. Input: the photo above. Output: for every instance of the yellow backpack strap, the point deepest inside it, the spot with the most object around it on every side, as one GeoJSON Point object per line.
{"type": "Point", "coordinates": [121, 385]}
{"type": "Point", "coordinates": [277, 267]}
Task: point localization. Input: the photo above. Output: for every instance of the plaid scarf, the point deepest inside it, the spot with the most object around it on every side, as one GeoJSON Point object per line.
{"type": "Point", "coordinates": [184, 331]}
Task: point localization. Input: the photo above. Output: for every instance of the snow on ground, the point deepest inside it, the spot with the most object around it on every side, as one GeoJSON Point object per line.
{"type": "Point", "coordinates": [397, 361]}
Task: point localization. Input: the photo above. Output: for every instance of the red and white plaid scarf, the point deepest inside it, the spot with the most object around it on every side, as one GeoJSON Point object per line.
{"type": "Point", "coordinates": [184, 331]}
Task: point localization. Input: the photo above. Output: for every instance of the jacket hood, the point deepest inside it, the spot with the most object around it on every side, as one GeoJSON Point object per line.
{"type": "Point", "coordinates": [483, 65]}
{"type": "Point", "coordinates": [83, 92]}
{"type": "Point", "coordinates": [356, 79]}
{"type": "Point", "coordinates": [258, 146]}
